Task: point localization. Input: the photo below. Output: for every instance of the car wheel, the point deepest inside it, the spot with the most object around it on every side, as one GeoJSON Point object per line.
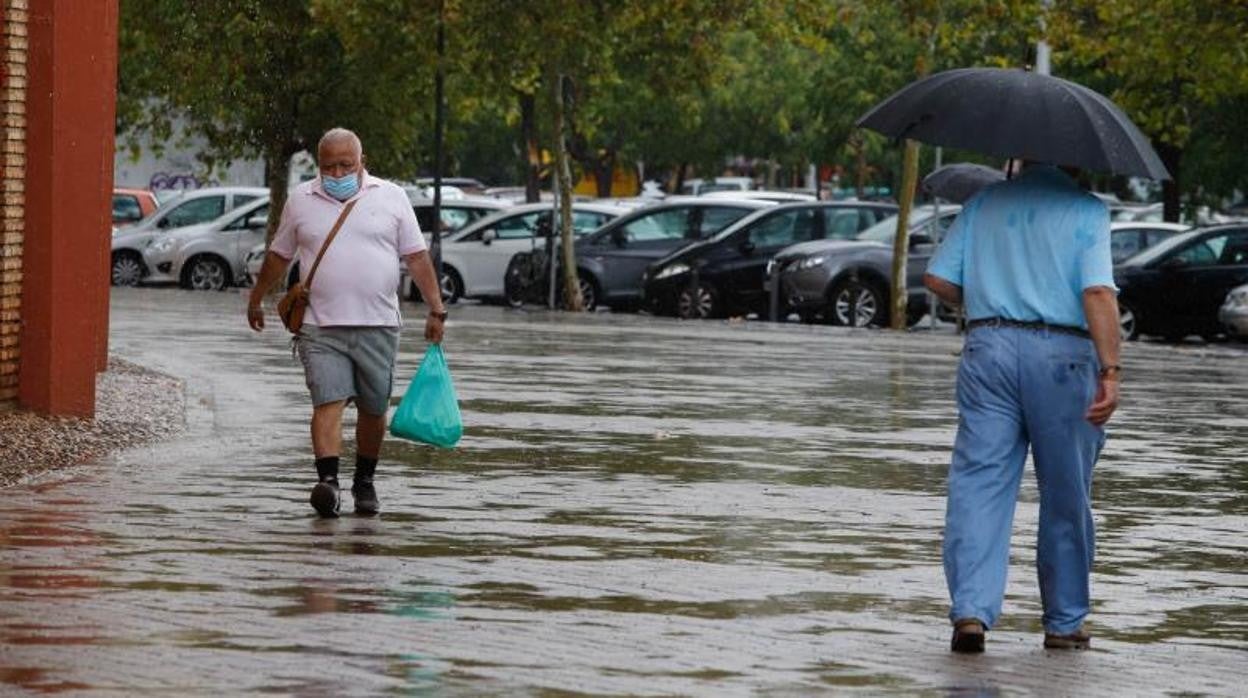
{"type": "Point", "coordinates": [452, 285]}
{"type": "Point", "coordinates": [206, 274]}
{"type": "Point", "coordinates": [855, 303]}
{"type": "Point", "coordinates": [697, 303]}
{"type": "Point", "coordinates": [1128, 322]}
{"type": "Point", "coordinates": [589, 293]}
{"type": "Point", "coordinates": [128, 269]}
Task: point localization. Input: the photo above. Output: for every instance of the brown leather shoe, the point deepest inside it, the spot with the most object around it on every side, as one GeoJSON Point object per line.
{"type": "Point", "coordinates": [1078, 640]}
{"type": "Point", "coordinates": [968, 636]}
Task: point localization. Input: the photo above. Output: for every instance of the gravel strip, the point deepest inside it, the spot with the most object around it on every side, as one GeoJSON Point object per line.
{"type": "Point", "coordinates": [133, 405]}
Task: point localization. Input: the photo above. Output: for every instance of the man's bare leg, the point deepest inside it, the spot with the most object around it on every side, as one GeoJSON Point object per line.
{"type": "Point", "coordinates": [327, 445]}
{"type": "Point", "coordinates": [370, 429]}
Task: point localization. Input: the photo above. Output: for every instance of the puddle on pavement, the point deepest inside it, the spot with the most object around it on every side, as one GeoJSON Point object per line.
{"type": "Point", "coordinates": [637, 506]}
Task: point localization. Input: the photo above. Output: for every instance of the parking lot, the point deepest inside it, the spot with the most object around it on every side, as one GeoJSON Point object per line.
{"type": "Point", "coordinates": [639, 506]}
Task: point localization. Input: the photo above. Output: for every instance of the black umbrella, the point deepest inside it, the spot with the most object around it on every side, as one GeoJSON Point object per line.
{"type": "Point", "coordinates": [1013, 113]}
{"type": "Point", "coordinates": [960, 181]}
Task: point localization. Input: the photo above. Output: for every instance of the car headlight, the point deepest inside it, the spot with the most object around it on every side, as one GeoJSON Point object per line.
{"type": "Point", "coordinates": [810, 262]}
{"type": "Point", "coordinates": [672, 270]}
{"type": "Point", "coordinates": [1237, 299]}
{"type": "Point", "coordinates": [160, 246]}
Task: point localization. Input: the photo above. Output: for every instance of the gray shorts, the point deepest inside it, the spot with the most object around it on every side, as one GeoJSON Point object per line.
{"type": "Point", "coordinates": [341, 363]}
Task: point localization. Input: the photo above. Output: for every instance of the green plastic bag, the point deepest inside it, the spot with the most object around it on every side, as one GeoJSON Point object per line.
{"type": "Point", "coordinates": [429, 411]}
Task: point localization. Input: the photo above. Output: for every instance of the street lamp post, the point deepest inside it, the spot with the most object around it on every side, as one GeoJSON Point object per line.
{"type": "Point", "coordinates": [438, 135]}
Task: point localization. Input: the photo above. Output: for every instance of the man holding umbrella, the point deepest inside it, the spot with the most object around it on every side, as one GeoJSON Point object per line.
{"type": "Point", "coordinates": [1030, 261]}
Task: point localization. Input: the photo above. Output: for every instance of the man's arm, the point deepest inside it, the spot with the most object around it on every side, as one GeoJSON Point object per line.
{"type": "Point", "coordinates": [945, 290]}
{"type": "Point", "coordinates": [271, 270]}
{"type": "Point", "coordinates": [1100, 305]}
{"type": "Point", "coordinates": [420, 268]}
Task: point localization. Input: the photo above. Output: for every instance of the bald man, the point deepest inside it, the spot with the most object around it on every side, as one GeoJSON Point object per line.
{"type": "Point", "coordinates": [350, 334]}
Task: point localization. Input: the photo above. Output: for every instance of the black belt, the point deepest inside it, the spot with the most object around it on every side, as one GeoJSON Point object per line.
{"type": "Point", "coordinates": [1027, 325]}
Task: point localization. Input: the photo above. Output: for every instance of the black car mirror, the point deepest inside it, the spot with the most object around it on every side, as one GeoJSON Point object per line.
{"type": "Point", "coordinates": [747, 247]}
{"type": "Point", "coordinates": [489, 236]}
{"type": "Point", "coordinates": [619, 237]}
{"type": "Point", "coordinates": [919, 240]}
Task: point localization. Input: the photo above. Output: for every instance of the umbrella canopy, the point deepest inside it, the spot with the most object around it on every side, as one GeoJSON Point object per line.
{"type": "Point", "coordinates": [1014, 113]}
{"type": "Point", "coordinates": [960, 181]}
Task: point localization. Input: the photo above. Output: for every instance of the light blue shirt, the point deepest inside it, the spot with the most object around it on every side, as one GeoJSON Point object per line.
{"type": "Point", "coordinates": [1026, 249]}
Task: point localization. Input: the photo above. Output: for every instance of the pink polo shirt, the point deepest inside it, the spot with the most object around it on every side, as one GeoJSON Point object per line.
{"type": "Point", "coordinates": [358, 279]}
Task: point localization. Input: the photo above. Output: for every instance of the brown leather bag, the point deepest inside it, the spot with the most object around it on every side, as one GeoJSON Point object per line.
{"type": "Point", "coordinates": [292, 305]}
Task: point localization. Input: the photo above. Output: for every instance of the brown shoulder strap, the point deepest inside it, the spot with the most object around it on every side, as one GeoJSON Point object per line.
{"type": "Point", "coordinates": [346, 211]}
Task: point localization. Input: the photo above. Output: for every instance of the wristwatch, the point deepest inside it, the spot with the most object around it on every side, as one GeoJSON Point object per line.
{"type": "Point", "coordinates": [441, 316]}
{"type": "Point", "coordinates": [1112, 368]}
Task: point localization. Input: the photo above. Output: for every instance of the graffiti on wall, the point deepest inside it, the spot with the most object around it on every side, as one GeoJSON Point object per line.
{"type": "Point", "coordinates": [168, 180]}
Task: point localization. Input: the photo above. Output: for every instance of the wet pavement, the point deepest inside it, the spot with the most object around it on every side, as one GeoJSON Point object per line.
{"type": "Point", "coordinates": [639, 506]}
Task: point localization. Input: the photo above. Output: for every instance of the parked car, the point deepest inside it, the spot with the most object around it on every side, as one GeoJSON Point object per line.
{"type": "Point", "coordinates": [1131, 238]}
{"type": "Point", "coordinates": [696, 186]}
{"type": "Point", "coordinates": [731, 268]}
{"type": "Point", "coordinates": [210, 256]}
{"type": "Point", "coordinates": [456, 213]}
{"type": "Point", "coordinates": [1234, 312]}
{"type": "Point", "coordinates": [192, 207]}
{"type": "Point", "coordinates": [474, 260]}
{"type": "Point", "coordinates": [847, 282]}
{"type": "Point", "coordinates": [611, 260]}
{"type": "Point", "coordinates": [1175, 288]}
{"type": "Point", "coordinates": [132, 205]}
{"type": "Point", "coordinates": [779, 197]}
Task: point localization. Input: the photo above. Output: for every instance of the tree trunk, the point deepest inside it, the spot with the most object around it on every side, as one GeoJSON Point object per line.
{"type": "Point", "coordinates": [860, 168]}
{"type": "Point", "coordinates": [605, 173]}
{"type": "Point", "coordinates": [563, 175]}
{"type": "Point", "coordinates": [901, 242]}
{"type": "Point", "coordinates": [533, 155]}
{"type": "Point", "coordinates": [1172, 157]}
{"type": "Point", "coordinates": [277, 179]}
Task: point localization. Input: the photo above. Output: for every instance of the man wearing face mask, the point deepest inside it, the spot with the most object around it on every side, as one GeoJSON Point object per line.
{"type": "Point", "coordinates": [350, 334]}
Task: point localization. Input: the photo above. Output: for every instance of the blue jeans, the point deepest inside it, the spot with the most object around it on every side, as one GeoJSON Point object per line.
{"type": "Point", "coordinates": [1017, 388]}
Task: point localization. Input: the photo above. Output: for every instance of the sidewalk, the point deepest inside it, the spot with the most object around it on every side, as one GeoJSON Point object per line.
{"type": "Point", "coordinates": [638, 507]}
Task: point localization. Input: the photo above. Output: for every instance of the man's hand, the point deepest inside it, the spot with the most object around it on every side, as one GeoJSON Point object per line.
{"type": "Point", "coordinates": [1106, 401]}
{"type": "Point", "coordinates": [255, 317]}
{"type": "Point", "coordinates": [434, 326]}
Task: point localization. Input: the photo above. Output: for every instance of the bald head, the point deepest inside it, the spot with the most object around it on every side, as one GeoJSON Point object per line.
{"type": "Point", "coordinates": [340, 138]}
{"type": "Point", "coordinates": [339, 152]}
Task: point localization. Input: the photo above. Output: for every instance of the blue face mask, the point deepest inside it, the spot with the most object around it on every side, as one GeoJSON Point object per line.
{"type": "Point", "coordinates": [341, 188]}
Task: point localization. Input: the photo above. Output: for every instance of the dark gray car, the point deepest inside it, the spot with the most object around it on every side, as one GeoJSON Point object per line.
{"type": "Point", "coordinates": [614, 257]}
{"type": "Point", "coordinates": [846, 282]}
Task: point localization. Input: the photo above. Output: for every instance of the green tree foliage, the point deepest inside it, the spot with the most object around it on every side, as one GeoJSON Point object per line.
{"type": "Point", "coordinates": [1179, 69]}
{"type": "Point", "coordinates": [267, 78]}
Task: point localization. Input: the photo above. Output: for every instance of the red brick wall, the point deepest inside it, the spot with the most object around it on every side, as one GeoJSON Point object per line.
{"type": "Point", "coordinates": [13, 76]}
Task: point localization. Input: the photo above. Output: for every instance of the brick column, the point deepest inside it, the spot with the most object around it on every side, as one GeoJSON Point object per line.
{"type": "Point", "coordinates": [13, 43]}
{"type": "Point", "coordinates": [70, 110]}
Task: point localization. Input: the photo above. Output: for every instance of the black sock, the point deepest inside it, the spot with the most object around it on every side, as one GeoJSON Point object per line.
{"type": "Point", "coordinates": [327, 469]}
{"type": "Point", "coordinates": [364, 468]}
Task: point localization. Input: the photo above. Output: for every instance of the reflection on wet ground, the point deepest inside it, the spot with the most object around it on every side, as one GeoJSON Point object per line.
{"type": "Point", "coordinates": [638, 506]}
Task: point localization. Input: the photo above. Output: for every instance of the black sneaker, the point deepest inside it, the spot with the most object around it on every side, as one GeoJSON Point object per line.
{"type": "Point", "coordinates": [325, 498]}
{"type": "Point", "coordinates": [365, 497]}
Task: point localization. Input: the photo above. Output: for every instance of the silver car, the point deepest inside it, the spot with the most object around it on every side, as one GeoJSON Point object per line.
{"type": "Point", "coordinates": [192, 207]}
{"type": "Point", "coordinates": [846, 282]}
{"type": "Point", "coordinates": [211, 256]}
{"type": "Point", "coordinates": [1234, 312]}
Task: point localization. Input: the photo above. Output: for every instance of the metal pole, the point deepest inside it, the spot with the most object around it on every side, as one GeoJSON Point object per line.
{"type": "Point", "coordinates": [932, 300]}
{"type": "Point", "coordinates": [438, 135]}
{"type": "Point", "coordinates": [1043, 52]}
{"type": "Point", "coordinates": [550, 246]}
